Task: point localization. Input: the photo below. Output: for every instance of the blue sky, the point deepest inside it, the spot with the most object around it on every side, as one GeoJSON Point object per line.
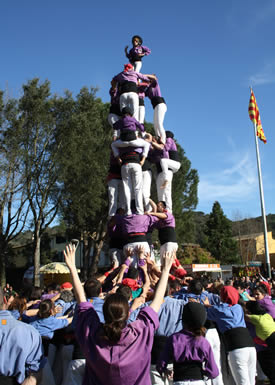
{"type": "Point", "coordinates": [206, 54]}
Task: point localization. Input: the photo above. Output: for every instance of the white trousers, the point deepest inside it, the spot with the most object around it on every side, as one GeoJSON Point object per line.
{"type": "Point", "coordinates": [159, 114]}
{"type": "Point", "coordinates": [116, 255]}
{"type": "Point", "coordinates": [242, 363]}
{"type": "Point", "coordinates": [199, 382]}
{"type": "Point", "coordinates": [213, 338]}
{"type": "Point", "coordinates": [141, 114]}
{"type": "Point", "coordinates": [166, 247]}
{"type": "Point", "coordinates": [135, 246]}
{"type": "Point", "coordinates": [116, 196]}
{"type": "Point", "coordinates": [131, 174]}
{"type": "Point", "coordinates": [137, 66]}
{"type": "Point", "coordinates": [167, 164]}
{"type": "Point", "coordinates": [75, 372]}
{"type": "Point", "coordinates": [133, 143]}
{"type": "Point", "coordinates": [156, 378]}
{"type": "Point", "coordinates": [165, 194]}
{"type": "Point", "coordinates": [146, 188]}
{"type": "Point", "coordinates": [130, 99]}
{"type": "Point", "coordinates": [112, 118]}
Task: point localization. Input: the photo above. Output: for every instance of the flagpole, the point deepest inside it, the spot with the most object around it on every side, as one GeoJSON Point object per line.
{"type": "Point", "coordinates": [267, 258]}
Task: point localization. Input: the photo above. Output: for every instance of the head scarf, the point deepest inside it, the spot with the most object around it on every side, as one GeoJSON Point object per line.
{"type": "Point", "coordinates": [229, 295]}
{"type": "Point", "coordinates": [128, 67]}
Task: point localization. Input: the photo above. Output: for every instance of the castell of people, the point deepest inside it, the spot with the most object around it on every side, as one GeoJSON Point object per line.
{"type": "Point", "coordinates": [108, 274]}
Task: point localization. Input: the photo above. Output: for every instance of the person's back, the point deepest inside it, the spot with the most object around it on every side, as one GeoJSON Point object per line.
{"type": "Point", "coordinates": [21, 353]}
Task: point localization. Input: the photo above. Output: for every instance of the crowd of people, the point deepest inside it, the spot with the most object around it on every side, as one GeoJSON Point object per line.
{"type": "Point", "coordinates": [141, 322]}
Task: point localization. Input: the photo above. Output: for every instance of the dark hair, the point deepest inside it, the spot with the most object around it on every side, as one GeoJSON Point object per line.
{"type": "Point", "coordinates": [125, 290]}
{"type": "Point", "coordinates": [19, 303]}
{"type": "Point", "coordinates": [115, 311]}
{"type": "Point", "coordinates": [163, 202]}
{"type": "Point", "coordinates": [36, 293]}
{"type": "Point", "coordinates": [127, 111]}
{"type": "Point", "coordinates": [53, 287]}
{"type": "Point", "coordinates": [255, 308]}
{"type": "Point", "coordinates": [204, 282]}
{"type": "Point", "coordinates": [45, 308]}
{"type": "Point", "coordinates": [262, 289]}
{"type": "Point", "coordinates": [92, 288]}
{"type": "Point", "coordinates": [67, 296]}
{"type": "Point", "coordinates": [169, 134]}
{"type": "Point", "coordinates": [132, 272]}
{"type": "Point", "coordinates": [195, 286]}
{"type": "Point", "coordinates": [194, 317]}
{"type": "Point", "coordinates": [1, 298]}
{"type": "Point", "coordinates": [137, 37]}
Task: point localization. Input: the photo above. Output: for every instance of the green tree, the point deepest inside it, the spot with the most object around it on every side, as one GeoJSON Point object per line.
{"type": "Point", "coordinates": [39, 149]}
{"type": "Point", "coordinates": [219, 241]}
{"type": "Point", "coordinates": [13, 201]}
{"type": "Point", "coordinates": [85, 138]}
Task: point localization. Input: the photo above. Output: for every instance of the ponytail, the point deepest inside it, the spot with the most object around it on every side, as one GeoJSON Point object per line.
{"type": "Point", "coordinates": [115, 310]}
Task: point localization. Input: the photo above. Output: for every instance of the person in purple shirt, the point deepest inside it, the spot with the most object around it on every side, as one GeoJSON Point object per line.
{"type": "Point", "coordinates": [136, 53]}
{"type": "Point", "coordinates": [126, 82]}
{"type": "Point", "coordinates": [166, 228]}
{"type": "Point", "coordinates": [160, 108]}
{"type": "Point", "coordinates": [261, 296]}
{"type": "Point", "coordinates": [172, 163]}
{"type": "Point", "coordinates": [134, 228]}
{"type": "Point", "coordinates": [190, 352]}
{"type": "Point", "coordinates": [116, 353]}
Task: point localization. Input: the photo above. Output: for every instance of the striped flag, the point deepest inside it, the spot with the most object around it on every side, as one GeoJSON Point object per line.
{"type": "Point", "coordinates": [254, 115]}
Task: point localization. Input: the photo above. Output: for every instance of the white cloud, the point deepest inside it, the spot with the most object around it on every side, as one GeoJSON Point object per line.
{"type": "Point", "coordinates": [265, 76]}
{"type": "Point", "coordinates": [235, 183]}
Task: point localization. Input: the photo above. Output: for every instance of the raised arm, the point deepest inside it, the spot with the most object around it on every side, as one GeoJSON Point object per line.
{"type": "Point", "coordinates": [69, 254]}
{"type": "Point", "coordinates": [168, 259]}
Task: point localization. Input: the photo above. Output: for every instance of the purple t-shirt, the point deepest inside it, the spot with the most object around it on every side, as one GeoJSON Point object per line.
{"type": "Point", "coordinates": [133, 53]}
{"type": "Point", "coordinates": [123, 363]}
{"type": "Point", "coordinates": [136, 223]}
{"type": "Point", "coordinates": [128, 123]}
{"type": "Point", "coordinates": [130, 76]}
{"type": "Point", "coordinates": [170, 145]}
{"type": "Point", "coordinates": [185, 347]}
{"type": "Point", "coordinates": [168, 222]}
{"type": "Point", "coordinates": [153, 90]}
{"type": "Point", "coordinates": [268, 305]}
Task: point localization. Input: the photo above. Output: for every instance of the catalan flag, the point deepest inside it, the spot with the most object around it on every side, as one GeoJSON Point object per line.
{"type": "Point", "coordinates": [254, 115]}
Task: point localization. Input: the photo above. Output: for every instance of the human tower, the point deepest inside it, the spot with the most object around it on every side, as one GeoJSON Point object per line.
{"type": "Point", "coordinates": [133, 215]}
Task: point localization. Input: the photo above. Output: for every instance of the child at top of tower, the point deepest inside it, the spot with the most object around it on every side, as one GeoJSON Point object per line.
{"type": "Point", "coordinates": [136, 53]}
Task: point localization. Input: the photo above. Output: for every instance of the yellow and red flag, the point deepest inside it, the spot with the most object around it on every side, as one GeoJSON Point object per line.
{"type": "Point", "coordinates": [254, 115]}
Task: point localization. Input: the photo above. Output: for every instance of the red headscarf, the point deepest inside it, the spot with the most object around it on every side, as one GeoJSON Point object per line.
{"type": "Point", "coordinates": [267, 287]}
{"type": "Point", "coordinates": [229, 295]}
{"type": "Point", "coordinates": [132, 283]}
{"type": "Point", "coordinates": [180, 273]}
{"type": "Point", "coordinates": [128, 67]}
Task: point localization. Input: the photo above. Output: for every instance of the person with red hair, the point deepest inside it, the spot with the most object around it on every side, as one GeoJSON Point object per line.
{"type": "Point", "coordinates": [229, 318]}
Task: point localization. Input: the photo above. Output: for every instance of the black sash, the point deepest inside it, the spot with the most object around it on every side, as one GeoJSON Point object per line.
{"type": "Point", "coordinates": [127, 87]}
{"type": "Point", "coordinates": [115, 109]}
{"type": "Point", "coordinates": [174, 155]}
{"type": "Point", "coordinates": [157, 100]}
{"type": "Point", "coordinates": [158, 346]}
{"type": "Point", "coordinates": [237, 338]}
{"type": "Point", "coordinates": [141, 101]}
{"type": "Point", "coordinates": [130, 157]}
{"type": "Point", "coordinates": [136, 237]}
{"type": "Point", "coordinates": [115, 169]}
{"type": "Point", "coordinates": [5, 380]}
{"type": "Point", "coordinates": [190, 370]}
{"type": "Point", "coordinates": [167, 234]}
{"type": "Point", "coordinates": [128, 135]}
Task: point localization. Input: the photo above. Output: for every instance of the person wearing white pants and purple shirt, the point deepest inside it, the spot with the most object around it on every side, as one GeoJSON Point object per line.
{"type": "Point", "coordinates": [114, 111]}
{"type": "Point", "coordinates": [126, 83]}
{"type": "Point", "coordinates": [166, 228]}
{"type": "Point", "coordinates": [160, 108]}
{"type": "Point", "coordinates": [136, 53]}
{"type": "Point", "coordinates": [172, 163]}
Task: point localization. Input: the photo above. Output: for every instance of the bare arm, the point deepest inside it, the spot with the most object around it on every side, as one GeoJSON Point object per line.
{"type": "Point", "coordinates": [153, 205]}
{"type": "Point", "coordinates": [158, 299]}
{"type": "Point", "coordinates": [159, 215]}
{"type": "Point", "coordinates": [33, 379]}
{"type": "Point", "coordinates": [69, 254]}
